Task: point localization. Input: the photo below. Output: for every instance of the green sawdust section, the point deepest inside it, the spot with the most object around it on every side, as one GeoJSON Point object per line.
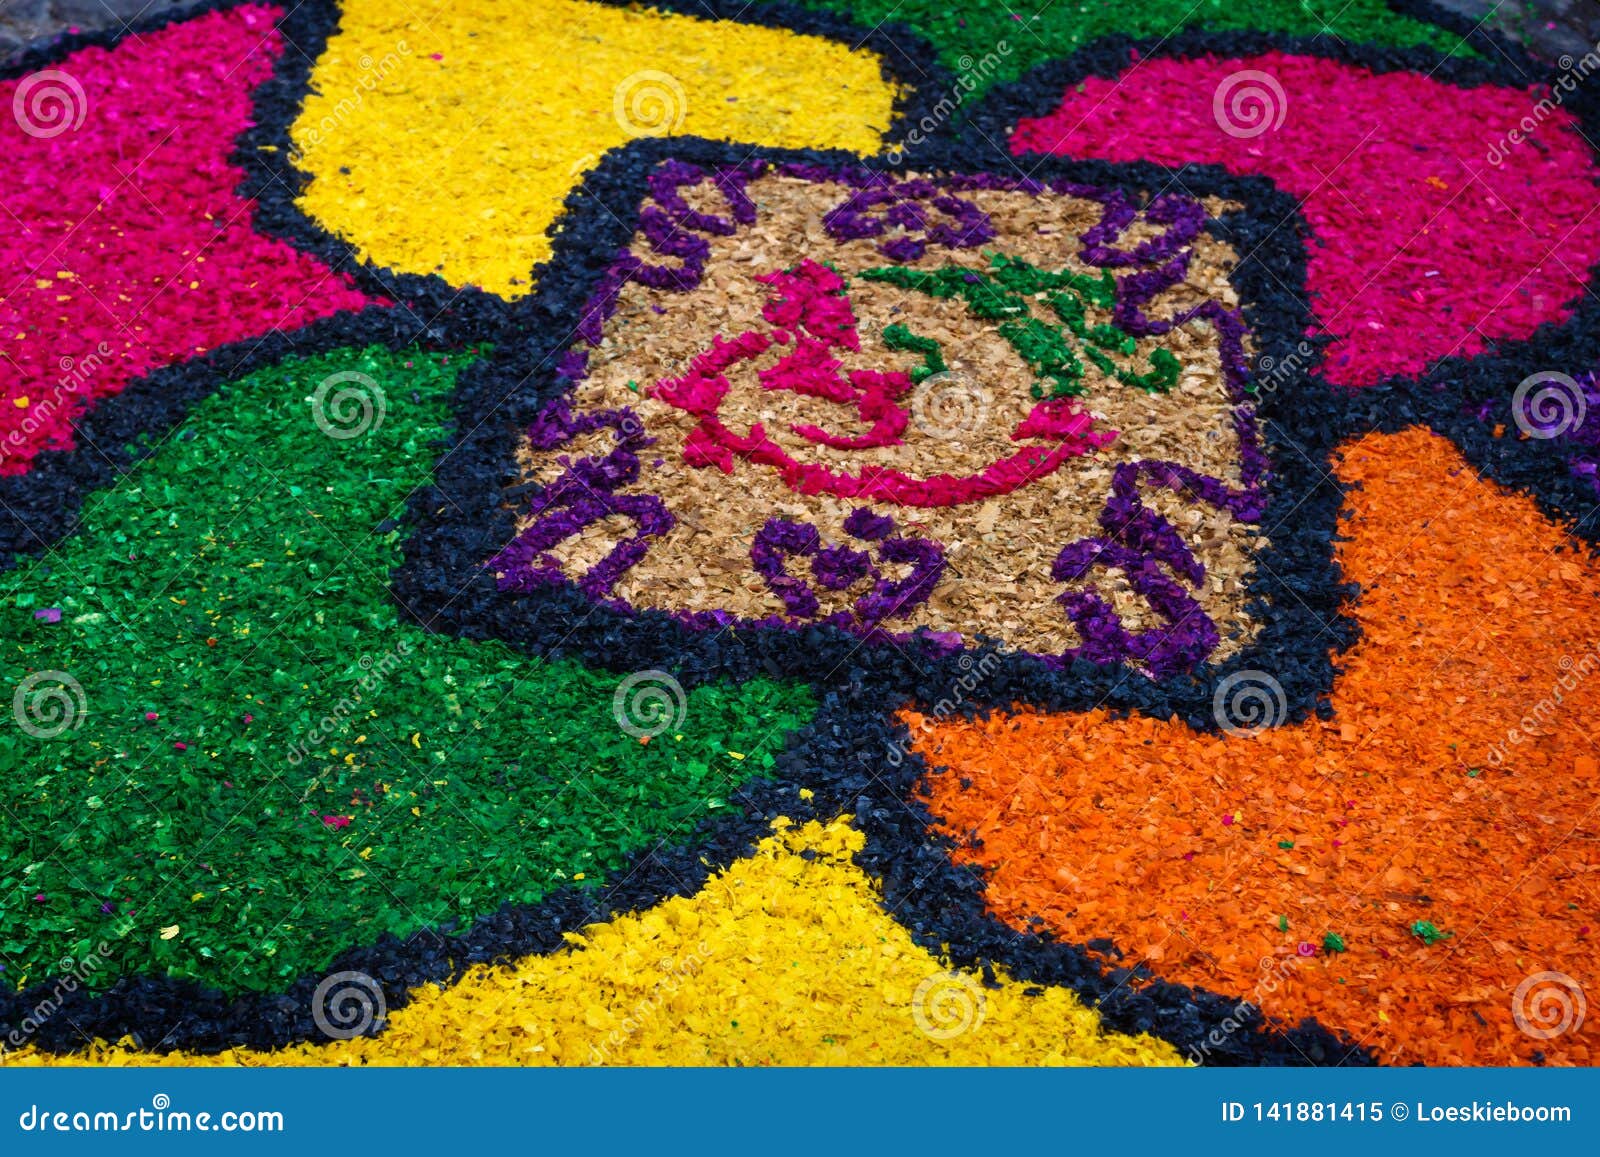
{"type": "Point", "coordinates": [236, 586]}
{"type": "Point", "coordinates": [968, 35]}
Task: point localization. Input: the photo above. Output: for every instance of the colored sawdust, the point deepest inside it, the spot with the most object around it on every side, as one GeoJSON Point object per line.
{"type": "Point", "coordinates": [787, 957]}
{"type": "Point", "coordinates": [1399, 198]}
{"type": "Point", "coordinates": [997, 578]}
{"type": "Point", "coordinates": [146, 255]}
{"type": "Point", "coordinates": [989, 42]}
{"type": "Point", "coordinates": [443, 137]}
{"type": "Point", "coordinates": [260, 753]}
{"type": "Point", "coordinates": [223, 614]}
{"type": "Point", "coordinates": [1429, 799]}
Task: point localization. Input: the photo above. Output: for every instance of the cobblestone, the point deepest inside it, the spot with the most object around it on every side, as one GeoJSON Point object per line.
{"type": "Point", "coordinates": [1550, 28]}
{"type": "Point", "coordinates": [23, 22]}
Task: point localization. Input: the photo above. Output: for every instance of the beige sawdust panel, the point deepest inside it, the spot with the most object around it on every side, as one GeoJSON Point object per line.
{"type": "Point", "coordinates": [1000, 550]}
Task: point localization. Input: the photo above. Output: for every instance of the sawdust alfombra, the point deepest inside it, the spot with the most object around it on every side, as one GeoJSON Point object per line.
{"type": "Point", "coordinates": [901, 403]}
{"type": "Point", "coordinates": [689, 554]}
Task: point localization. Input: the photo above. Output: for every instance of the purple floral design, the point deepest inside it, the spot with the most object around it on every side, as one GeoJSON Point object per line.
{"type": "Point", "coordinates": [906, 205]}
{"type": "Point", "coordinates": [1139, 542]}
{"type": "Point", "coordinates": [1188, 637]}
{"type": "Point", "coordinates": [584, 494]}
{"type": "Point", "coordinates": [838, 568]}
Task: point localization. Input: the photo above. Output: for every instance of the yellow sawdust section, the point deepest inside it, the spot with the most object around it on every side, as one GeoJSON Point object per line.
{"type": "Point", "coordinates": [458, 165]}
{"type": "Point", "coordinates": [778, 960]}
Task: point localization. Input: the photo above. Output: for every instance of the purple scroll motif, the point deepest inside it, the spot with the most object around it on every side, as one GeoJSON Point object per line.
{"type": "Point", "coordinates": [891, 600]}
{"type": "Point", "coordinates": [1139, 542]}
{"type": "Point", "coordinates": [774, 544]}
{"type": "Point", "coordinates": [1184, 217]}
{"type": "Point", "coordinates": [1184, 642]}
{"type": "Point", "coordinates": [672, 177]}
{"type": "Point", "coordinates": [872, 211]}
{"type": "Point", "coordinates": [838, 568]}
{"type": "Point", "coordinates": [672, 228]}
{"type": "Point", "coordinates": [669, 227]}
{"type": "Point", "coordinates": [584, 494]}
{"type": "Point", "coordinates": [573, 508]}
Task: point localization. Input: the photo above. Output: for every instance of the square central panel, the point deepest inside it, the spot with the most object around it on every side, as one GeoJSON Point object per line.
{"type": "Point", "coordinates": [958, 405]}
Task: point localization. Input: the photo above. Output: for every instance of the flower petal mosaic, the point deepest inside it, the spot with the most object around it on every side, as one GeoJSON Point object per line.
{"type": "Point", "coordinates": [581, 533]}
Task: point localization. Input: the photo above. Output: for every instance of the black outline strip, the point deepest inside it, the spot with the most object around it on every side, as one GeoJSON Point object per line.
{"type": "Point", "coordinates": [463, 519]}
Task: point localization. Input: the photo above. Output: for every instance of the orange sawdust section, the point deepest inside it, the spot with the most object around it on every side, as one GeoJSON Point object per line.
{"type": "Point", "coordinates": [1227, 862]}
{"type": "Point", "coordinates": [787, 957]}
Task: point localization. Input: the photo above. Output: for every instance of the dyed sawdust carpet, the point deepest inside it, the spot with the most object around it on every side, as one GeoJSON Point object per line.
{"type": "Point", "coordinates": [842, 533]}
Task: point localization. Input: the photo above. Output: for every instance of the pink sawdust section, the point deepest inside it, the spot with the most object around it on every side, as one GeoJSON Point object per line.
{"type": "Point", "coordinates": [123, 245]}
{"type": "Point", "coordinates": [1423, 249]}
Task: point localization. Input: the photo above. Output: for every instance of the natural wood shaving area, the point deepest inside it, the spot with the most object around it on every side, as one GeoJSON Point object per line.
{"type": "Point", "coordinates": [999, 551]}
